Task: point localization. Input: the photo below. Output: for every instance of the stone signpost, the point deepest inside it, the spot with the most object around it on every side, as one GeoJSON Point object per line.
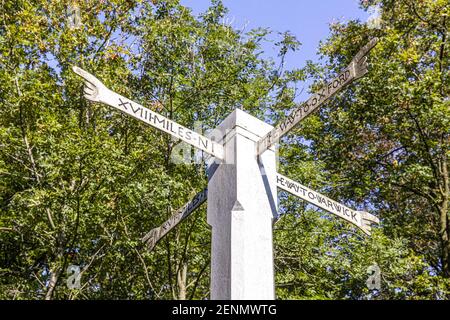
{"type": "Point", "coordinates": [242, 185]}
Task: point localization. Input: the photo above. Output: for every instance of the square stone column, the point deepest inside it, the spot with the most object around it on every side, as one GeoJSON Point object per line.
{"type": "Point", "coordinates": [242, 203]}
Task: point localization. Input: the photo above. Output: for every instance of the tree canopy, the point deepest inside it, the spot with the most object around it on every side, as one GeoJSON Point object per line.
{"type": "Point", "coordinates": [80, 183]}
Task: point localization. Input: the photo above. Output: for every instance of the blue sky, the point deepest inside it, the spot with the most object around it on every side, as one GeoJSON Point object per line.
{"type": "Point", "coordinates": [308, 20]}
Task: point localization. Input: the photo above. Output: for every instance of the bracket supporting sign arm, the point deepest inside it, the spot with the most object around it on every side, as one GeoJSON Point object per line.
{"type": "Point", "coordinates": [96, 91]}
{"type": "Point", "coordinates": [156, 234]}
{"type": "Point", "coordinates": [361, 219]}
{"type": "Point", "coordinates": [355, 70]}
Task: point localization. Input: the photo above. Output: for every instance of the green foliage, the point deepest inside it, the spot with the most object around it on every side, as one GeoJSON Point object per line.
{"type": "Point", "coordinates": [80, 183]}
{"type": "Point", "coordinates": [381, 146]}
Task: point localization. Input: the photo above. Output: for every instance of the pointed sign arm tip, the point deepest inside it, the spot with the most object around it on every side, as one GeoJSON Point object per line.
{"type": "Point", "coordinates": [94, 89]}
{"type": "Point", "coordinates": [366, 49]}
{"type": "Point", "coordinates": [367, 220]}
{"type": "Point", "coordinates": [85, 75]}
{"type": "Point", "coordinates": [361, 219]}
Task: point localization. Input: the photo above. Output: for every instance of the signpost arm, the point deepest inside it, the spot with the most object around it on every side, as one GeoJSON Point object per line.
{"type": "Point", "coordinates": [361, 219]}
{"type": "Point", "coordinates": [156, 234]}
{"type": "Point", "coordinates": [355, 70]}
{"type": "Point", "coordinates": [96, 91]}
{"type": "Point", "coordinates": [240, 213]}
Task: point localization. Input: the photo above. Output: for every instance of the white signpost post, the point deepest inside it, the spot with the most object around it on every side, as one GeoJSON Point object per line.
{"type": "Point", "coordinates": [96, 91]}
{"type": "Point", "coordinates": [242, 188]}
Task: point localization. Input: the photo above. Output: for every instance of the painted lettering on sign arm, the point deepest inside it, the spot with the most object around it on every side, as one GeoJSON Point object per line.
{"type": "Point", "coordinates": [359, 218]}
{"type": "Point", "coordinates": [355, 70]}
{"type": "Point", "coordinates": [156, 234]}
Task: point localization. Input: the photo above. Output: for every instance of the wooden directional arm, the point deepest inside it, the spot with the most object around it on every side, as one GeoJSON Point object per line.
{"type": "Point", "coordinates": [355, 70]}
{"type": "Point", "coordinates": [156, 234]}
{"type": "Point", "coordinates": [361, 219]}
{"type": "Point", "coordinates": [96, 91]}
{"type": "Point", "coordinates": [367, 220]}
